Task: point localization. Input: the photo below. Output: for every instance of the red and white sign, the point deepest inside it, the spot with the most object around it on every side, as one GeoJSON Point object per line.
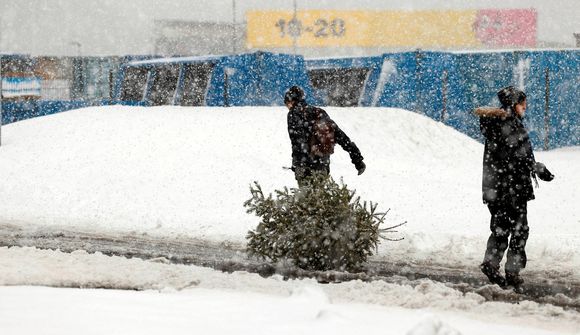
{"type": "Point", "coordinates": [506, 27]}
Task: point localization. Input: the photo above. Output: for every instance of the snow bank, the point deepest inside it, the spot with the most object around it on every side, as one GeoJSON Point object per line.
{"type": "Point", "coordinates": [186, 171]}
{"type": "Point", "coordinates": [182, 298]}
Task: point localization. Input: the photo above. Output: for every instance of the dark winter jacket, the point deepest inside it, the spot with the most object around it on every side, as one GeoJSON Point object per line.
{"type": "Point", "coordinates": [301, 119]}
{"type": "Point", "coordinates": [508, 158]}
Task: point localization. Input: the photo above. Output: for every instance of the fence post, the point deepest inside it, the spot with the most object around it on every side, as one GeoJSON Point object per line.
{"type": "Point", "coordinates": [444, 93]}
{"type": "Point", "coordinates": [226, 93]}
{"type": "Point", "coordinates": [547, 111]}
{"type": "Point", "coordinates": [419, 107]}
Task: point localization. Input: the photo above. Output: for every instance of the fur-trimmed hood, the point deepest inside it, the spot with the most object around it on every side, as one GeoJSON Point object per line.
{"type": "Point", "coordinates": [491, 112]}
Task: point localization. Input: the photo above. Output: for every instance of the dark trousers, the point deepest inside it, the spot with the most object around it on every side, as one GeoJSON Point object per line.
{"type": "Point", "coordinates": [508, 221]}
{"type": "Point", "coordinates": [302, 174]}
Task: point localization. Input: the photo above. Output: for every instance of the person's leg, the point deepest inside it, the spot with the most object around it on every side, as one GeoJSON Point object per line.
{"type": "Point", "coordinates": [498, 239]}
{"type": "Point", "coordinates": [497, 243]}
{"type": "Point", "coordinates": [301, 174]}
{"type": "Point", "coordinates": [516, 255]}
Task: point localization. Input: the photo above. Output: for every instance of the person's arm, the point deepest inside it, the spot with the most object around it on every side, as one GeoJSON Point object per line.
{"type": "Point", "coordinates": [347, 145]}
{"type": "Point", "coordinates": [297, 140]}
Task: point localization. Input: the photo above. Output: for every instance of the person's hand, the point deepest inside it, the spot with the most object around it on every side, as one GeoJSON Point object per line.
{"type": "Point", "coordinates": [360, 167]}
{"type": "Point", "coordinates": [542, 172]}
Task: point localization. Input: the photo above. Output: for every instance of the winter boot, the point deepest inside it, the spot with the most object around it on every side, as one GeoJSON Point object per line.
{"type": "Point", "coordinates": [514, 279]}
{"type": "Point", "coordinates": [492, 273]}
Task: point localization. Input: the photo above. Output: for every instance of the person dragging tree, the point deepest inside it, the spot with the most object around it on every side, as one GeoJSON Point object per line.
{"type": "Point", "coordinates": [508, 169]}
{"type": "Point", "coordinates": [313, 136]}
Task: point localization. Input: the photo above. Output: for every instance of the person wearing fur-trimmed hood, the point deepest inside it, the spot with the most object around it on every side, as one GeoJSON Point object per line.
{"type": "Point", "coordinates": [509, 167]}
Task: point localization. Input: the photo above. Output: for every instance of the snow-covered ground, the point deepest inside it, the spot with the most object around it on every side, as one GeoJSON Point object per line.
{"type": "Point", "coordinates": [174, 171]}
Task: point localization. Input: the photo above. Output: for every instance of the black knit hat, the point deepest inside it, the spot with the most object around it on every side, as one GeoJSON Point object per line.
{"type": "Point", "coordinates": [294, 94]}
{"type": "Point", "coordinates": [510, 96]}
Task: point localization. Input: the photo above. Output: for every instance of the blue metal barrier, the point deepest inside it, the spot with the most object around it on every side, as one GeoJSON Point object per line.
{"type": "Point", "coordinates": [448, 86]}
{"type": "Point", "coordinates": [13, 111]}
{"type": "Point", "coordinates": [400, 86]}
{"type": "Point", "coordinates": [256, 79]}
{"type": "Point", "coordinates": [445, 86]}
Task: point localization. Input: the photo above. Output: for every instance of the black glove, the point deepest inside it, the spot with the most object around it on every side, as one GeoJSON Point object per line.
{"type": "Point", "coordinates": [360, 167]}
{"type": "Point", "coordinates": [542, 172]}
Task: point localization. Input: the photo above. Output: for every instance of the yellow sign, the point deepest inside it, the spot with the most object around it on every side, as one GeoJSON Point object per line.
{"type": "Point", "coordinates": [318, 28]}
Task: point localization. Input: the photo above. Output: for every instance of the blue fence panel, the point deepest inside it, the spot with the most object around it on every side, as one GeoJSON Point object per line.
{"type": "Point", "coordinates": [277, 74]}
{"type": "Point", "coordinates": [473, 81]}
{"type": "Point", "coordinates": [18, 111]}
{"type": "Point", "coordinates": [444, 86]}
{"type": "Point", "coordinates": [232, 81]}
{"type": "Point", "coordinates": [458, 111]}
{"type": "Point", "coordinates": [13, 111]}
{"type": "Point", "coordinates": [243, 80]}
{"type": "Point", "coordinates": [564, 105]}
{"type": "Point", "coordinates": [53, 107]}
{"type": "Point", "coordinates": [400, 88]}
{"type": "Point", "coordinates": [378, 70]}
{"type": "Point", "coordinates": [431, 70]}
{"type": "Point", "coordinates": [257, 79]}
{"type": "Point", "coordinates": [436, 83]}
{"type": "Point", "coordinates": [529, 77]}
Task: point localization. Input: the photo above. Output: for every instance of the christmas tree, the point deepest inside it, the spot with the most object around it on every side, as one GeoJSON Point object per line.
{"type": "Point", "coordinates": [320, 226]}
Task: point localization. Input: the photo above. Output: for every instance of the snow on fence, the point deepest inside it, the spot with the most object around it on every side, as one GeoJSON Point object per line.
{"type": "Point", "coordinates": [444, 86]}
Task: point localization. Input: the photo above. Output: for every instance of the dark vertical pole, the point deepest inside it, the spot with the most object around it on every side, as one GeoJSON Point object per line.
{"type": "Point", "coordinates": [444, 92]}
{"type": "Point", "coordinates": [547, 112]}
{"type": "Point", "coordinates": [226, 93]}
{"type": "Point", "coordinates": [418, 75]}
{"type": "Point", "coordinates": [111, 85]}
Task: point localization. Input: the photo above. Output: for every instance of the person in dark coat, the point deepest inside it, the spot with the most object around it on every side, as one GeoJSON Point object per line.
{"type": "Point", "coordinates": [508, 169]}
{"type": "Point", "coordinates": [303, 122]}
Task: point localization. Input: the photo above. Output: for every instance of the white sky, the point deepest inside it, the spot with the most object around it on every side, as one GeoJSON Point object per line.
{"type": "Point", "coordinates": [111, 27]}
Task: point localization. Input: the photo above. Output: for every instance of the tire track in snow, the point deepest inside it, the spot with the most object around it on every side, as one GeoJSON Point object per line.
{"type": "Point", "coordinates": [230, 257]}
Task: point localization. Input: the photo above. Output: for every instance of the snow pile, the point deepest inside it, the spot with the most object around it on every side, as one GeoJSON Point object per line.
{"type": "Point", "coordinates": [181, 170]}
{"type": "Point", "coordinates": [190, 295]}
{"type": "Point", "coordinates": [431, 325]}
{"type": "Point", "coordinates": [172, 171]}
